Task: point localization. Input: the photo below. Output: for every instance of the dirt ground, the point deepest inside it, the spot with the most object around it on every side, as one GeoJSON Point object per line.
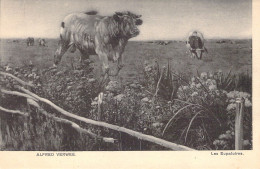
{"type": "Point", "coordinates": [235, 55]}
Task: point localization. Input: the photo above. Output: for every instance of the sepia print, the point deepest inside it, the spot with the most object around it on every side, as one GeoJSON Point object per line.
{"type": "Point", "coordinates": [120, 75]}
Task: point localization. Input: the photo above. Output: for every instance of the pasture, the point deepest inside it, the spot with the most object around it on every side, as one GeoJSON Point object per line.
{"type": "Point", "coordinates": [225, 56]}
{"type": "Point", "coordinates": [142, 102]}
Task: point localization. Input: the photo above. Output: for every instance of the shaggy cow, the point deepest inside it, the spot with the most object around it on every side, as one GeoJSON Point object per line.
{"type": "Point", "coordinates": [30, 41]}
{"type": "Point", "coordinates": [195, 44]}
{"type": "Point", "coordinates": [93, 34]}
{"type": "Point", "coordinates": [42, 42]}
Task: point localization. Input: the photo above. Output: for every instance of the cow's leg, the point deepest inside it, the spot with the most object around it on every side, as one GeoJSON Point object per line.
{"type": "Point", "coordinates": [62, 48]}
{"type": "Point", "coordinates": [193, 54]}
{"type": "Point", "coordinates": [120, 63]}
{"type": "Point", "coordinates": [200, 55]}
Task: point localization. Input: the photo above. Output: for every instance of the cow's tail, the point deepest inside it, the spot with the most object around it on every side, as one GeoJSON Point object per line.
{"type": "Point", "coordinates": [206, 50]}
{"type": "Point", "coordinates": [62, 29]}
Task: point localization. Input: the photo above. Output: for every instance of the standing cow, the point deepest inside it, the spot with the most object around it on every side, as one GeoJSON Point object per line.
{"type": "Point", "coordinates": [30, 41]}
{"type": "Point", "coordinates": [195, 44]}
{"type": "Point", "coordinates": [93, 34]}
{"type": "Point", "coordinates": [42, 42]}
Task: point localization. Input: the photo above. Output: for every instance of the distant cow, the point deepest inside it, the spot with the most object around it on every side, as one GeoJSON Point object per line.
{"type": "Point", "coordinates": [195, 44]}
{"type": "Point", "coordinates": [42, 42]}
{"type": "Point", "coordinates": [30, 41]}
{"type": "Point", "coordinates": [93, 34]}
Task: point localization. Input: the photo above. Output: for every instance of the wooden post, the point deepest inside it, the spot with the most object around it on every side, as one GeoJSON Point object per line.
{"type": "Point", "coordinates": [100, 100]}
{"type": "Point", "coordinates": [240, 102]}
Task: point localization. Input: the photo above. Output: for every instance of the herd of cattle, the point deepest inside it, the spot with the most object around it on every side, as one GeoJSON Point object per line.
{"type": "Point", "coordinates": [30, 42]}
{"type": "Point", "coordinates": [107, 36]}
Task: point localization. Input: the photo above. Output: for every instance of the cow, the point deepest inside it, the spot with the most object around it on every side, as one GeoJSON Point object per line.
{"type": "Point", "coordinates": [93, 34]}
{"type": "Point", "coordinates": [30, 41]}
{"type": "Point", "coordinates": [195, 44]}
{"type": "Point", "coordinates": [42, 42]}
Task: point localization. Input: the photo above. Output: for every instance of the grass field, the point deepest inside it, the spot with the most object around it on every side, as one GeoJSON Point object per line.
{"type": "Point", "coordinates": [133, 104]}
{"type": "Point", "coordinates": [225, 56]}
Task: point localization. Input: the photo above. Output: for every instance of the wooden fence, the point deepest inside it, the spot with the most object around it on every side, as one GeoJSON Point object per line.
{"type": "Point", "coordinates": [33, 100]}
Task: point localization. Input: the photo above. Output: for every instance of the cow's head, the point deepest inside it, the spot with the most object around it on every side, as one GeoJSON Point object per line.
{"type": "Point", "coordinates": [128, 23]}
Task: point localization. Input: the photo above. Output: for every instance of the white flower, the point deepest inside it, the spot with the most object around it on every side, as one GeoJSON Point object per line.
{"type": "Point", "coordinates": [211, 82]}
{"type": "Point", "coordinates": [119, 97]}
{"type": "Point", "coordinates": [203, 75]}
{"type": "Point", "coordinates": [212, 87]}
{"type": "Point", "coordinates": [198, 85]}
{"type": "Point", "coordinates": [231, 106]}
{"type": "Point", "coordinates": [231, 95]}
{"type": "Point", "coordinates": [145, 99]}
{"type": "Point", "coordinates": [192, 85]}
{"type": "Point", "coordinates": [211, 75]}
{"type": "Point", "coordinates": [248, 103]}
{"type": "Point", "coordinates": [194, 94]}
{"type": "Point", "coordinates": [244, 94]}
{"type": "Point", "coordinates": [185, 87]}
{"type": "Point", "coordinates": [94, 103]}
{"type": "Point", "coordinates": [148, 68]}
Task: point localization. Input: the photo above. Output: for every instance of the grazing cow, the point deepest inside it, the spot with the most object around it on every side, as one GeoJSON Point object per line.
{"type": "Point", "coordinates": [195, 44]}
{"type": "Point", "coordinates": [30, 41]}
{"type": "Point", "coordinates": [42, 42]}
{"type": "Point", "coordinates": [92, 34]}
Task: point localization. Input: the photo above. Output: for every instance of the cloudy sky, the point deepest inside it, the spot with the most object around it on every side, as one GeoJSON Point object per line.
{"type": "Point", "coordinates": [163, 19]}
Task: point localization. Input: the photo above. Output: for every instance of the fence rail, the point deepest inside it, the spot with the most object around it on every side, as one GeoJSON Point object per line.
{"type": "Point", "coordinates": [32, 99]}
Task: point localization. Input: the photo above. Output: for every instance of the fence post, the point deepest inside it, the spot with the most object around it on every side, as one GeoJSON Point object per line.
{"type": "Point", "coordinates": [240, 103]}
{"type": "Point", "coordinates": [100, 100]}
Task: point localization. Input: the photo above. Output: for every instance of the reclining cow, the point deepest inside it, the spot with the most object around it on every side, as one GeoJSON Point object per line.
{"type": "Point", "coordinates": [42, 42]}
{"type": "Point", "coordinates": [92, 34]}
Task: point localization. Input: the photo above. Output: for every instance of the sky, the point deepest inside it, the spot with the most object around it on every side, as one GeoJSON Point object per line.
{"type": "Point", "coordinates": [163, 19]}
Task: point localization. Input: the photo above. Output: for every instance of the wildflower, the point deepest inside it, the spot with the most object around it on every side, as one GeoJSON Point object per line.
{"type": "Point", "coordinates": [211, 75]}
{"type": "Point", "coordinates": [216, 142]}
{"type": "Point", "coordinates": [119, 97]}
{"type": "Point", "coordinates": [231, 106]}
{"type": "Point", "coordinates": [217, 92]}
{"type": "Point", "coordinates": [91, 80]}
{"type": "Point", "coordinates": [94, 103]}
{"type": "Point", "coordinates": [148, 68]}
{"type": "Point", "coordinates": [219, 72]}
{"type": "Point", "coordinates": [232, 101]}
{"type": "Point", "coordinates": [198, 85]}
{"type": "Point", "coordinates": [194, 94]}
{"type": "Point", "coordinates": [157, 124]}
{"type": "Point", "coordinates": [244, 94]}
{"type": "Point", "coordinates": [228, 132]}
{"type": "Point", "coordinates": [231, 95]}
{"type": "Point", "coordinates": [203, 75]}
{"type": "Point", "coordinates": [192, 85]}
{"type": "Point", "coordinates": [212, 87]}
{"type": "Point", "coordinates": [185, 87]}
{"type": "Point", "coordinates": [246, 142]}
{"type": "Point", "coordinates": [145, 99]}
{"type": "Point", "coordinates": [211, 82]}
{"type": "Point", "coordinates": [248, 103]}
